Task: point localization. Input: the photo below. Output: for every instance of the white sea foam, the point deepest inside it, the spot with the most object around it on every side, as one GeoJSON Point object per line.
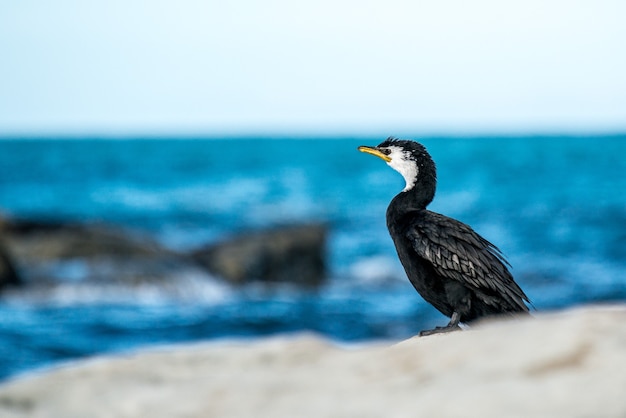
{"type": "Point", "coordinates": [131, 198]}
{"type": "Point", "coordinates": [376, 270]}
{"type": "Point", "coordinates": [187, 287]}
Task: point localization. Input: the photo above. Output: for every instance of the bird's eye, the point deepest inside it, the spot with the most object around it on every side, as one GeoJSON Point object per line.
{"type": "Point", "coordinates": [385, 151]}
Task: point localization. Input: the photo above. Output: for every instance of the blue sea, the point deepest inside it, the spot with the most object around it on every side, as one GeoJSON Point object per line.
{"type": "Point", "coordinates": [555, 206]}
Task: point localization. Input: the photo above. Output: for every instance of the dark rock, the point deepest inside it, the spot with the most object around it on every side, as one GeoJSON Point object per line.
{"type": "Point", "coordinates": [8, 274]}
{"type": "Point", "coordinates": [50, 251]}
{"type": "Point", "coordinates": [294, 254]}
{"type": "Point", "coordinates": [43, 240]}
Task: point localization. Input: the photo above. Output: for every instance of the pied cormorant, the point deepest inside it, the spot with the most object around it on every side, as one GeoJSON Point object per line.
{"type": "Point", "coordinates": [453, 268]}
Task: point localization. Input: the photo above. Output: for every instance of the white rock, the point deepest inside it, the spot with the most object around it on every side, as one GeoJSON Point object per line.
{"type": "Point", "coordinates": [569, 364]}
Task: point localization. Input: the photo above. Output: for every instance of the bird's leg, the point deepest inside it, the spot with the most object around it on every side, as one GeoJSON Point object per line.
{"type": "Point", "coordinates": [453, 325]}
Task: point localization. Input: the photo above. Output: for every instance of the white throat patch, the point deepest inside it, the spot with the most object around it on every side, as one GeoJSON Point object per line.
{"type": "Point", "coordinates": [402, 162]}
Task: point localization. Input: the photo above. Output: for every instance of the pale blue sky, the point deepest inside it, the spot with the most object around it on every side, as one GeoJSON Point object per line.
{"type": "Point", "coordinates": [119, 67]}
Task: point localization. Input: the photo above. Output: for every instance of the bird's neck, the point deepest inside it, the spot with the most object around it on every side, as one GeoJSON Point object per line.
{"type": "Point", "coordinates": [418, 194]}
{"type": "Point", "coordinates": [412, 200]}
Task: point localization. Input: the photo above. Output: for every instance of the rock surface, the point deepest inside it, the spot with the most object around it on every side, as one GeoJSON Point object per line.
{"type": "Point", "coordinates": [294, 254]}
{"type": "Point", "coordinates": [570, 364]}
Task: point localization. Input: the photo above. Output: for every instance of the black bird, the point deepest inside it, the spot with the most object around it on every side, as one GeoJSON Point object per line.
{"type": "Point", "coordinates": [453, 268]}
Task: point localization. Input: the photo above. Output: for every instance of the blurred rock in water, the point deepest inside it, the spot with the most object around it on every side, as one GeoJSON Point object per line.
{"type": "Point", "coordinates": [55, 240]}
{"type": "Point", "coordinates": [291, 254]}
{"type": "Point", "coordinates": [50, 252]}
{"type": "Point", "coordinates": [53, 251]}
{"type": "Point", "coordinates": [8, 275]}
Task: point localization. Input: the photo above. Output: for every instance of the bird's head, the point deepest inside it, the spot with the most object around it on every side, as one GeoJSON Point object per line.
{"type": "Point", "coordinates": [408, 158]}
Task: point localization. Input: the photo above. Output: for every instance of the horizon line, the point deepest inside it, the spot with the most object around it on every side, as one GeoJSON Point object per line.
{"type": "Point", "coordinates": [305, 136]}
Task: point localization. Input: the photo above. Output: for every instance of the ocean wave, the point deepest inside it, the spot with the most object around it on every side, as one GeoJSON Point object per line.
{"type": "Point", "coordinates": [208, 195]}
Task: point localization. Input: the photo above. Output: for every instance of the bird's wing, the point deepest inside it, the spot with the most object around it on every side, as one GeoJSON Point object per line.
{"type": "Point", "coordinates": [456, 251]}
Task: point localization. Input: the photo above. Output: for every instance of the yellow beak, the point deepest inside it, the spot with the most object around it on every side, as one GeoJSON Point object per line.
{"type": "Point", "coordinates": [374, 151]}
